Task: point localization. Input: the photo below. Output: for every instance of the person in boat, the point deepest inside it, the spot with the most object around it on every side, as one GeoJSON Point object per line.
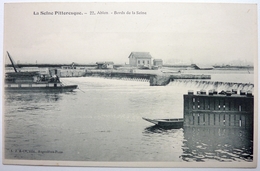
{"type": "Point", "coordinates": [43, 78]}
{"type": "Point", "coordinates": [51, 80]}
{"type": "Point", "coordinates": [56, 78]}
{"type": "Point", "coordinates": [38, 78]}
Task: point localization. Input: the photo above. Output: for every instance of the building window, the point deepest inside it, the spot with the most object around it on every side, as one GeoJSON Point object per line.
{"type": "Point", "coordinates": [147, 62]}
{"type": "Point", "coordinates": [138, 61]}
{"type": "Point", "coordinates": [143, 62]}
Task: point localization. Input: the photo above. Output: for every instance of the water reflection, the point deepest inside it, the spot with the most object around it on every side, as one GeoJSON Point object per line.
{"type": "Point", "coordinates": [158, 129]}
{"type": "Point", "coordinates": [207, 144]}
{"type": "Point", "coordinates": [31, 97]}
{"type": "Point", "coordinates": [159, 142]}
{"type": "Point", "coordinates": [30, 102]}
{"type": "Point", "coordinates": [211, 144]}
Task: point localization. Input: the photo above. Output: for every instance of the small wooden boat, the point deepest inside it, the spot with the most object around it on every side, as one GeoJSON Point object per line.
{"type": "Point", "coordinates": [173, 123]}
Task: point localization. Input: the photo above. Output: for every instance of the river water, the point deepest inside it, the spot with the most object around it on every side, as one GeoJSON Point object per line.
{"type": "Point", "coordinates": [102, 121]}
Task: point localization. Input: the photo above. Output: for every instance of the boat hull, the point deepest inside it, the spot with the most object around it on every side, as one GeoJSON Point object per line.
{"type": "Point", "coordinates": [67, 88]}
{"type": "Point", "coordinates": [169, 123]}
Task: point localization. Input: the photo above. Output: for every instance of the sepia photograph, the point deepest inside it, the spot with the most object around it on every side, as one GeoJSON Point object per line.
{"type": "Point", "coordinates": [130, 84]}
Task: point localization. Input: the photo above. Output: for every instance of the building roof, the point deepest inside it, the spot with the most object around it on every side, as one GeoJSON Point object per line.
{"type": "Point", "coordinates": [141, 55]}
{"type": "Point", "coordinates": [105, 62]}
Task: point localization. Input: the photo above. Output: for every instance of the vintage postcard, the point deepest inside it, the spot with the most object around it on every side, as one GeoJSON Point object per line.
{"type": "Point", "coordinates": [130, 84]}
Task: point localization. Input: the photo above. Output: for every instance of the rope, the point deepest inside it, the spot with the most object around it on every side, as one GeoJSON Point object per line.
{"type": "Point", "coordinates": [81, 90]}
{"type": "Point", "coordinates": [62, 83]}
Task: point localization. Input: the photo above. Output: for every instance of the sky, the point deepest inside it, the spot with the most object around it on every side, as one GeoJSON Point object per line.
{"type": "Point", "coordinates": [177, 33]}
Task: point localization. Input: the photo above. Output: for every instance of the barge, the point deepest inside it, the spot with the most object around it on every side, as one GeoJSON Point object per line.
{"type": "Point", "coordinates": [34, 81]}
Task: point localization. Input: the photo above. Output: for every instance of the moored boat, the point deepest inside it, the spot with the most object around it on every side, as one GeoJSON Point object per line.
{"type": "Point", "coordinates": [172, 123]}
{"type": "Point", "coordinates": [34, 81]}
{"type": "Point", "coordinates": [39, 87]}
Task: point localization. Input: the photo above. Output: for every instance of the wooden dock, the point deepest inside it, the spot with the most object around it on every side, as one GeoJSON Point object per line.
{"type": "Point", "coordinates": [219, 110]}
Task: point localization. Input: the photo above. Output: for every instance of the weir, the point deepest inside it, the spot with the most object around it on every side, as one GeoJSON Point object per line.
{"type": "Point", "coordinates": [160, 79]}
{"type": "Point", "coordinates": [208, 85]}
{"type": "Point", "coordinates": [119, 75]}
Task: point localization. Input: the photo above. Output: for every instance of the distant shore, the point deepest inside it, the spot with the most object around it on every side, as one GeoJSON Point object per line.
{"type": "Point", "coordinates": [183, 67]}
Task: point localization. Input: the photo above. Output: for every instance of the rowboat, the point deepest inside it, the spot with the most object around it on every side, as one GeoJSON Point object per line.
{"type": "Point", "coordinates": [173, 123]}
